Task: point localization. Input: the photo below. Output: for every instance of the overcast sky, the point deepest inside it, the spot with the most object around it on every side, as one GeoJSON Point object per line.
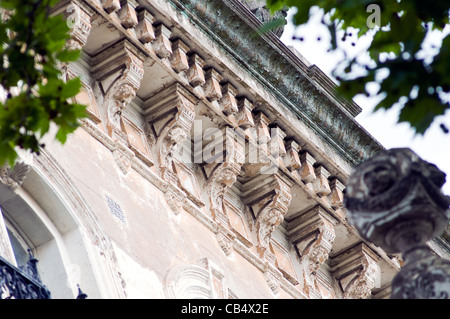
{"type": "Point", "coordinates": [433, 147]}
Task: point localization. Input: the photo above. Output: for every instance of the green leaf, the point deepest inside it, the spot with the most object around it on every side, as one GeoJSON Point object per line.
{"type": "Point", "coordinates": [68, 55]}
{"type": "Point", "coordinates": [71, 88]}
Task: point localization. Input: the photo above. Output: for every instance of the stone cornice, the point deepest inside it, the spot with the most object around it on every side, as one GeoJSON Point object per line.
{"type": "Point", "coordinates": [307, 94]}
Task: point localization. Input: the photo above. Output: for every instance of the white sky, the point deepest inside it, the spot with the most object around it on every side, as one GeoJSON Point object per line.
{"type": "Point", "coordinates": [433, 147]}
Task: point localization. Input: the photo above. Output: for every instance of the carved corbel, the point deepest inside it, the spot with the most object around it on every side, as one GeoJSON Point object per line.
{"type": "Point", "coordinates": [179, 59]}
{"type": "Point", "coordinates": [127, 14]}
{"type": "Point", "coordinates": [269, 197]}
{"type": "Point", "coordinates": [277, 148]}
{"type": "Point", "coordinates": [170, 114]}
{"type": "Point", "coordinates": [118, 70]}
{"type": "Point", "coordinates": [110, 5]}
{"type": "Point", "coordinates": [196, 74]}
{"type": "Point", "coordinates": [292, 158]}
{"type": "Point", "coordinates": [223, 158]}
{"type": "Point", "coordinates": [313, 235]}
{"type": "Point", "coordinates": [336, 197]}
{"type": "Point", "coordinates": [162, 44]}
{"type": "Point", "coordinates": [321, 184]}
{"type": "Point", "coordinates": [228, 101]}
{"type": "Point", "coordinates": [357, 271]}
{"type": "Point", "coordinates": [307, 173]}
{"type": "Point", "coordinates": [262, 132]}
{"type": "Point", "coordinates": [13, 177]}
{"type": "Point", "coordinates": [223, 162]}
{"type": "Point", "coordinates": [213, 90]}
{"type": "Point", "coordinates": [78, 16]}
{"type": "Point", "coordinates": [144, 30]}
{"type": "Point", "coordinates": [245, 116]}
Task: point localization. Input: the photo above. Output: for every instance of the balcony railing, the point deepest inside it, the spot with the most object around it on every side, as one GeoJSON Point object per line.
{"type": "Point", "coordinates": [21, 283]}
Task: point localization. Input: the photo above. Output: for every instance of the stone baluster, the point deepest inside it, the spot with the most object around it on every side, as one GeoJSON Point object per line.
{"type": "Point", "coordinates": [395, 201]}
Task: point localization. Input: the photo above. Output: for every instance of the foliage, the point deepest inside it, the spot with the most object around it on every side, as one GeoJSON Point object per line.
{"type": "Point", "coordinates": [32, 45]}
{"type": "Point", "coordinates": [418, 82]}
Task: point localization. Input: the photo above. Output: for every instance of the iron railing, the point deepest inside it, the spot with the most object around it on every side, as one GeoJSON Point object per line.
{"type": "Point", "coordinates": [21, 283]}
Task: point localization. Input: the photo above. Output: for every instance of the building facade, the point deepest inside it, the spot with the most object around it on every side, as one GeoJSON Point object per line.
{"type": "Point", "coordinates": [212, 165]}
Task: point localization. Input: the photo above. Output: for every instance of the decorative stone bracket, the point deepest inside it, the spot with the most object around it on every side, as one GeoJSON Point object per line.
{"type": "Point", "coordinates": [118, 69]}
{"type": "Point", "coordinates": [221, 167]}
{"type": "Point", "coordinates": [269, 197]}
{"type": "Point", "coordinates": [357, 271]}
{"type": "Point", "coordinates": [313, 235]}
{"type": "Point", "coordinates": [170, 114]}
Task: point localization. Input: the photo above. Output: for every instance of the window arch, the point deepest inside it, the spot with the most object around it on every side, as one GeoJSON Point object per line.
{"type": "Point", "coordinates": [49, 215]}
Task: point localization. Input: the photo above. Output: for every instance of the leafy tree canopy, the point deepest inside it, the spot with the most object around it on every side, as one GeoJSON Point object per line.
{"type": "Point", "coordinates": [33, 95]}
{"type": "Point", "coordinates": [406, 74]}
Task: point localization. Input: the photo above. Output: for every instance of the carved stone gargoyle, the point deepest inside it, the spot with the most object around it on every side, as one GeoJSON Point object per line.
{"type": "Point", "coordinates": [395, 201]}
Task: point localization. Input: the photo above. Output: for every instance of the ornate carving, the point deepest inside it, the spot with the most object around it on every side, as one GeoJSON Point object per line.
{"type": "Point", "coordinates": [13, 177]}
{"type": "Point", "coordinates": [80, 23]}
{"type": "Point", "coordinates": [222, 169]}
{"type": "Point", "coordinates": [394, 199]}
{"type": "Point", "coordinates": [269, 197]}
{"type": "Point", "coordinates": [170, 114]}
{"type": "Point", "coordinates": [425, 276]}
{"type": "Point", "coordinates": [313, 235]}
{"type": "Point", "coordinates": [119, 70]}
{"type": "Point", "coordinates": [357, 271]}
